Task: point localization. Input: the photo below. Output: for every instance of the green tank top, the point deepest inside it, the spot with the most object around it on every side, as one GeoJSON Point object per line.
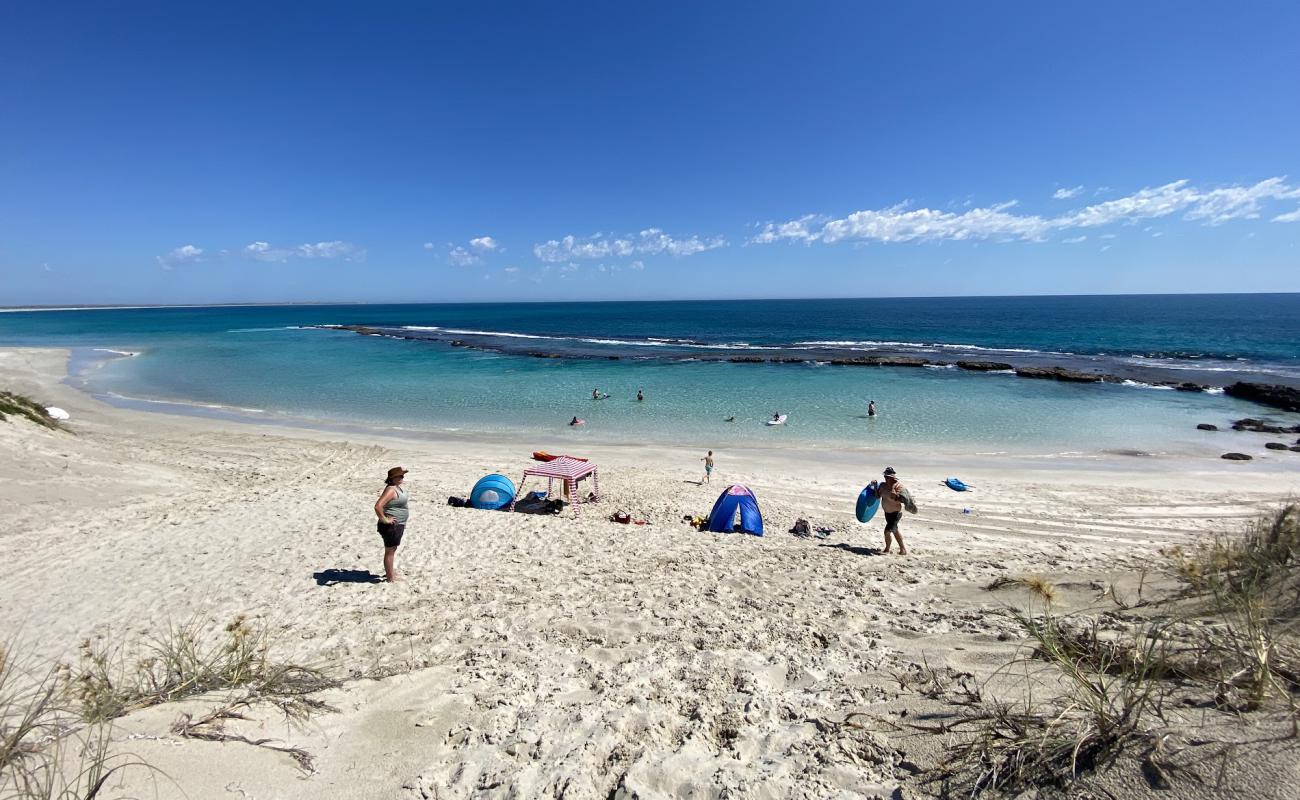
{"type": "Point", "coordinates": [396, 507]}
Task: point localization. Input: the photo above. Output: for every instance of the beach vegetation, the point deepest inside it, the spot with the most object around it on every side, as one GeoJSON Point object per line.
{"type": "Point", "coordinates": [20, 406]}
{"type": "Point", "coordinates": [46, 750]}
{"type": "Point", "coordinates": [1090, 689]}
{"type": "Point", "coordinates": [185, 661]}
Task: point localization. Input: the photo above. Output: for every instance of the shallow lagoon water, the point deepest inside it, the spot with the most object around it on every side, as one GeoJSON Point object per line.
{"type": "Point", "coordinates": [260, 359]}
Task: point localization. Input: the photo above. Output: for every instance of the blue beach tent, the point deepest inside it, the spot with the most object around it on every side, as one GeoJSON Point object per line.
{"type": "Point", "coordinates": [492, 492]}
{"type": "Point", "coordinates": [735, 500]}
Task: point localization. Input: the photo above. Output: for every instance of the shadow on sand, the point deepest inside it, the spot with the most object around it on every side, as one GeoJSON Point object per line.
{"type": "Point", "coordinates": [856, 550]}
{"type": "Point", "coordinates": [330, 577]}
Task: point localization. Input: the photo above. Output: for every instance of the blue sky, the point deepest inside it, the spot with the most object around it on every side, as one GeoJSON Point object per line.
{"type": "Point", "coordinates": [161, 153]}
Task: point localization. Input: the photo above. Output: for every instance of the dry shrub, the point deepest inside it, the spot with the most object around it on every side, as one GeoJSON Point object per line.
{"type": "Point", "coordinates": [45, 751]}
{"type": "Point", "coordinates": [183, 662]}
{"type": "Point", "coordinates": [1250, 588]}
{"type": "Point", "coordinates": [1092, 700]}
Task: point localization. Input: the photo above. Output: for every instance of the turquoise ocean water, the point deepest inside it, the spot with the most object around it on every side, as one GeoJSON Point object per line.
{"type": "Point", "coordinates": [267, 362]}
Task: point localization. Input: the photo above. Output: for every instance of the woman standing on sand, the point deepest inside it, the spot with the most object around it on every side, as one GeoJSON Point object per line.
{"type": "Point", "coordinates": [393, 513]}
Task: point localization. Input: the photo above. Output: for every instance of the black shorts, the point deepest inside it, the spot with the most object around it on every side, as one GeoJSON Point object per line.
{"type": "Point", "coordinates": [392, 533]}
{"type": "Point", "coordinates": [891, 520]}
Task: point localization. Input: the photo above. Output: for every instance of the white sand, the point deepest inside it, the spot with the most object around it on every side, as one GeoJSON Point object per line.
{"type": "Point", "coordinates": [546, 656]}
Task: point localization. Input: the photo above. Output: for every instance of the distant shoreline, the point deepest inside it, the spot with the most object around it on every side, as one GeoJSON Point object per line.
{"type": "Point", "coordinates": [295, 303]}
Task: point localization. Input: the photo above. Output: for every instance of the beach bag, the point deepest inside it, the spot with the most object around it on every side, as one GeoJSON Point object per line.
{"type": "Point", "coordinates": [801, 528]}
{"type": "Point", "coordinates": [621, 517]}
{"type": "Point", "coordinates": [457, 502]}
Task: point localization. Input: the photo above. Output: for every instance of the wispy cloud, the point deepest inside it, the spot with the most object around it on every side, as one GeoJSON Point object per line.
{"type": "Point", "coordinates": [649, 242]}
{"type": "Point", "coordinates": [1292, 216]}
{"type": "Point", "coordinates": [1074, 240]}
{"type": "Point", "coordinates": [900, 223]}
{"type": "Point", "coordinates": [185, 254]}
{"type": "Point", "coordinates": [465, 255]}
{"type": "Point", "coordinates": [1066, 194]}
{"type": "Point", "coordinates": [265, 251]}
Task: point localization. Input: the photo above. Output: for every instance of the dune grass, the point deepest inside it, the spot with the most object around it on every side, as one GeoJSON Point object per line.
{"type": "Point", "coordinates": [46, 752]}
{"type": "Point", "coordinates": [1086, 693]}
{"type": "Point", "coordinates": [184, 661]}
{"type": "Point", "coordinates": [17, 405]}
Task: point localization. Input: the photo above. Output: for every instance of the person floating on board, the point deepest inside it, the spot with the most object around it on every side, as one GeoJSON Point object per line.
{"type": "Point", "coordinates": [871, 408]}
{"type": "Point", "coordinates": [639, 396]}
{"type": "Point", "coordinates": [575, 421]}
{"type": "Point", "coordinates": [393, 513]}
{"type": "Point", "coordinates": [708, 466]}
{"type": "Point", "coordinates": [891, 502]}
{"type": "Point", "coordinates": [776, 416]}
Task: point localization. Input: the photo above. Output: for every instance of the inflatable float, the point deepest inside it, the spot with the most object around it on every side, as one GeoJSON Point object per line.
{"type": "Point", "coordinates": [868, 502]}
{"type": "Point", "coordinates": [956, 485]}
{"type": "Point", "coordinates": [780, 420]}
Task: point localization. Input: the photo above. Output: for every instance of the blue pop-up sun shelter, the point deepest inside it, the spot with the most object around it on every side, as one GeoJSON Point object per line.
{"type": "Point", "coordinates": [492, 492]}
{"type": "Point", "coordinates": [735, 500]}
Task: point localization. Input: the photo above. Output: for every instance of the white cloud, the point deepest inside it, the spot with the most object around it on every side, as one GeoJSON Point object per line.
{"type": "Point", "coordinates": [1074, 240]}
{"type": "Point", "coordinates": [511, 270]}
{"type": "Point", "coordinates": [335, 249]}
{"type": "Point", "coordinates": [464, 255]}
{"type": "Point", "coordinates": [899, 223]}
{"type": "Point", "coordinates": [428, 245]}
{"type": "Point", "coordinates": [264, 251]}
{"type": "Point", "coordinates": [1107, 236]}
{"type": "Point", "coordinates": [651, 241]}
{"type": "Point", "coordinates": [461, 257]}
{"type": "Point", "coordinates": [1291, 216]}
{"type": "Point", "coordinates": [1066, 194]}
{"type": "Point", "coordinates": [185, 254]}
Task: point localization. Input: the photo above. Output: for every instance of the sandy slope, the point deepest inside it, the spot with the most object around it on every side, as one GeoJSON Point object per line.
{"type": "Point", "coordinates": [539, 656]}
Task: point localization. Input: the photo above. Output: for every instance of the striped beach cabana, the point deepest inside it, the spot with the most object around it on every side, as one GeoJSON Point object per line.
{"type": "Point", "coordinates": [566, 469]}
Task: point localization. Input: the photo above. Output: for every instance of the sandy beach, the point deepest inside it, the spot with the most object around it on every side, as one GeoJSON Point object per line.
{"type": "Point", "coordinates": [532, 656]}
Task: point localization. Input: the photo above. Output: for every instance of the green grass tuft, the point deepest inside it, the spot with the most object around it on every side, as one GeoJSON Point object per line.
{"type": "Point", "coordinates": [16, 405]}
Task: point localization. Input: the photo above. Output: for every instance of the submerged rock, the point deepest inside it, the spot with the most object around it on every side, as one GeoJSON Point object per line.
{"type": "Point", "coordinates": [1236, 457]}
{"type": "Point", "coordinates": [1269, 394]}
{"type": "Point", "coordinates": [1277, 446]}
{"type": "Point", "coordinates": [985, 366]}
{"type": "Point", "coordinates": [1205, 426]}
{"type": "Point", "coordinates": [1258, 426]}
{"type": "Point", "coordinates": [1059, 374]}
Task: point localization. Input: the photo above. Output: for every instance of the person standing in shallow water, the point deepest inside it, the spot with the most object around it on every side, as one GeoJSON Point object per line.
{"type": "Point", "coordinates": [393, 513]}
{"type": "Point", "coordinates": [871, 408]}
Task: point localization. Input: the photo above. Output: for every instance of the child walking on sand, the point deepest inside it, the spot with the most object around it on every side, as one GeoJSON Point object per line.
{"type": "Point", "coordinates": [708, 466]}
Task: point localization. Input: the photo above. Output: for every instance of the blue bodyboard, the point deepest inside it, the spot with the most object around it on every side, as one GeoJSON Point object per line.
{"type": "Point", "coordinates": [956, 485]}
{"type": "Point", "coordinates": [868, 502]}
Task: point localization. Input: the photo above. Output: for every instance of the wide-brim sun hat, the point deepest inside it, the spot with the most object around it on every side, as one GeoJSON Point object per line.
{"type": "Point", "coordinates": [890, 471]}
{"type": "Point", "coordinates": [396, 472]}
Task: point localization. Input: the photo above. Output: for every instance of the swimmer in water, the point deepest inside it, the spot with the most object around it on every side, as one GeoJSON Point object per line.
{"type": "Point", "coordinates": [871, 408]}
{"type": "Point", "coordinates": [639, 396]}
{"type": "Point", "coordinates": [575, 421]}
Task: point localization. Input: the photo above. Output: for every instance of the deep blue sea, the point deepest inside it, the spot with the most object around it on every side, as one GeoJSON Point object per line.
{"type": "Point", "coordinates": [270, 363]}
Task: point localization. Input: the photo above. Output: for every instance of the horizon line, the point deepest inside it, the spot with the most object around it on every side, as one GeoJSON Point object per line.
{"type": "Point", "coordinates": [282, 303]}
